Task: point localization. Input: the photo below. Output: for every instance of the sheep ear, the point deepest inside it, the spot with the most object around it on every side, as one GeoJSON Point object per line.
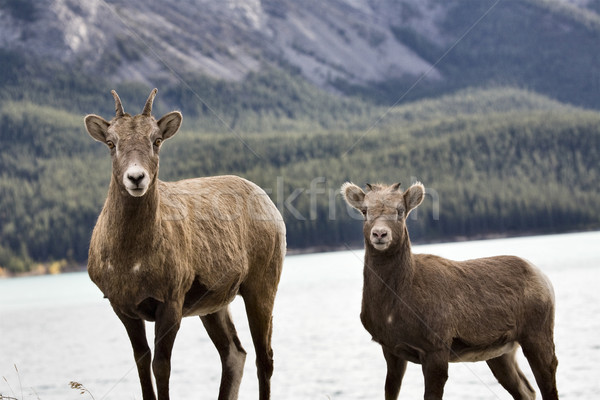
{"type": "Point", "coordinates": [96, 127]}
{"type": "Point", "coordinates": [169, 124]}
{"type": "Point", "coordinates": [353, 195]}
{"type": "Point", "coordinates": [414, 196]}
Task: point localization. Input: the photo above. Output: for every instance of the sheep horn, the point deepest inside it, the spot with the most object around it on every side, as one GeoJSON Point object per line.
{"type": "Point", "coordinates": [369, 186]}
{"type": "Point", "coordinates": [148, 107]}
{"type": "Point", "coordinates": [118, 106]}
{"type": "Point", "coordinates": [396, 186]}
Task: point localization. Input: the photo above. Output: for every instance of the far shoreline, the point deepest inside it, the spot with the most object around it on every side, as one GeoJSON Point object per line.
{"type": "Point", "coordinates": [51, 268]}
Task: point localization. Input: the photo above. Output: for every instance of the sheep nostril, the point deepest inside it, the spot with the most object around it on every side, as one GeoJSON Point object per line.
{"type": "Point", "coordinates": [136, 178]}
{"type": "Point", "coordinates": [379, 233]}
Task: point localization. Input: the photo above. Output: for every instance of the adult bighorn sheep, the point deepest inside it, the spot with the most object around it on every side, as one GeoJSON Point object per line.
{"type": "Point", "coordinates": [161, 251]}
{"type": "Point", "coordinates": [431, 311]}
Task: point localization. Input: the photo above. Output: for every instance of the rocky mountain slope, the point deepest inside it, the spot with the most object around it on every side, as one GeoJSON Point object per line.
{"type": "Point", "coordinates": [335, 44]}
{"type": "Point", "coordinates": [143, 40]}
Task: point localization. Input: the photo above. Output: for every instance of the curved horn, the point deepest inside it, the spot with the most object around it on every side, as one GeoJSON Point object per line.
{"type": "Point", "coordinates": [369, 186]}
{"type": "Point", "coordinates": [396, 186]}
{"type": "Point", "coordinates": [148, 107]}
{"type": "Point", "coordinates": [118, 106]}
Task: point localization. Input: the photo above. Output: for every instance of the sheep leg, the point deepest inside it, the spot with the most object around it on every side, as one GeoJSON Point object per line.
{"type": "Point", "coordinates": [540, 354]}
{"type": "Point", "coordinates": [396, 367]}
{"type": "Point", "coordinates": [435, 371]}
{"type": "Point", "coordinates": [141, 351]}
{"type": "Point", "coordinates": [510, 376]}
{"type": "Point", "coordinates": [259, 308]}
{"type": "Point", "coordinates": [168, 320]}
{"type": "Point", "coordinates": [222, 332]}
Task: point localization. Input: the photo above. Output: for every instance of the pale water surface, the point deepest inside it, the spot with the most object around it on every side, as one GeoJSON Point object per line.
{"type": "Point", "coordinates": [58, 329]}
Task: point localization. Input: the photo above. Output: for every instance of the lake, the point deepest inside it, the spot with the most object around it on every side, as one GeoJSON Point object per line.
{"type": "Point", "coordinates": [58, 329]}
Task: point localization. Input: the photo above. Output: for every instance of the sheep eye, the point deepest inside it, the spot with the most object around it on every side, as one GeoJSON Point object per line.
{"type": "Point", "coordinates": [110, 144]}
{"type": "Point", "coordinates": [364, 212]}
{"type": "Point", "coordinates": [157, 142]}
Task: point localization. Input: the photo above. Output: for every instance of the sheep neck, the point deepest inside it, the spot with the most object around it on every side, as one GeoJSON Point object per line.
{"type": "Point", "coordinates": [393, 269]}
{"type": "Point", "coordinates": [134, 221]}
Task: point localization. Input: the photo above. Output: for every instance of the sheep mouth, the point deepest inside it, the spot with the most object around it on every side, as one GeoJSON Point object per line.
{"type": "Point", "coordinates": [380, 244]}
{"type": "Point", "coordinates": [137, 191]}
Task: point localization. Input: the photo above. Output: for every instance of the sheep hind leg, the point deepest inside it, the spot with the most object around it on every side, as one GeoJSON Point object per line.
{"type": "Point", "coordinates": [259, 308]}
{"type": "Point", "coordinates": [222, 332]}
{"type": "Point", "coordinates": [543, 362]}
{"type": "Point", "coordinates": [507, 372]}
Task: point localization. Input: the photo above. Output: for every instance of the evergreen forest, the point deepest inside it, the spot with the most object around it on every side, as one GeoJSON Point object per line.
{"type": "Point", "coordinates": [495, 161]}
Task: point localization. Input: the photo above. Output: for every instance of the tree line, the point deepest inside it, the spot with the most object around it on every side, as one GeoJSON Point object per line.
{"type": "Point", "coordinates": [524, 163]}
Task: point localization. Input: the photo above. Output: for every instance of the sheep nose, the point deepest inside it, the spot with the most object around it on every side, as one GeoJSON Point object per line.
{"type": "Point", "coordinates": [379, 233]}
{"type": "Point", "coordinates": [136, 177]}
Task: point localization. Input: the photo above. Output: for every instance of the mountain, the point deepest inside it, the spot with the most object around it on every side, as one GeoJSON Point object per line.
{"type": "Point", "coordinates": [388, 50]}
{"type": "Point", "coordinates": [137, 40]}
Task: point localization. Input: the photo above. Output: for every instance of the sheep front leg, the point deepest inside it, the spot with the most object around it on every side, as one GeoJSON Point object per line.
{"type": "Point", "coordinates": [136, 331]}
{"type": "Point", "coordinates": [168, 320]}
{"type": "Point", "coordinates": [396, 367]}
{"type": "Point", "coordinates": [435, 372]}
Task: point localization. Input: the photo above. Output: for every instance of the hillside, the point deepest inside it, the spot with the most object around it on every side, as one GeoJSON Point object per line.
{"type": "Point", "coordinates": [494, 161]}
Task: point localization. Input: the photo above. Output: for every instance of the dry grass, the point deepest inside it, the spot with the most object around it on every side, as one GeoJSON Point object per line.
{"type": "Point", "coordinates": [82, 389]}
{"type": "Point", "coordinates": [73, 385]}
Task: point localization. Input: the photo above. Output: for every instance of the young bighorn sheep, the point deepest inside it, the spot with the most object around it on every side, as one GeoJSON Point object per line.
{"type": "Point", "coordinates": [431, 311]}
{"type": "Point", "coordinates": [161, 251]}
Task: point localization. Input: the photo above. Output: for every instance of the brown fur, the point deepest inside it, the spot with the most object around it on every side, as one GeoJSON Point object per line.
{"type": "Point", "coordinates": [429, 310]}
{"type": "Point", "coordinates": [181, 249]}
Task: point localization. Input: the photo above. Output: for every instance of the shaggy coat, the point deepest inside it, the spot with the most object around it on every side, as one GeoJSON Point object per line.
{"type": "Point", "coordinates": [430, 310]}
{"type": "Point", "coordinates": [161, 251]}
